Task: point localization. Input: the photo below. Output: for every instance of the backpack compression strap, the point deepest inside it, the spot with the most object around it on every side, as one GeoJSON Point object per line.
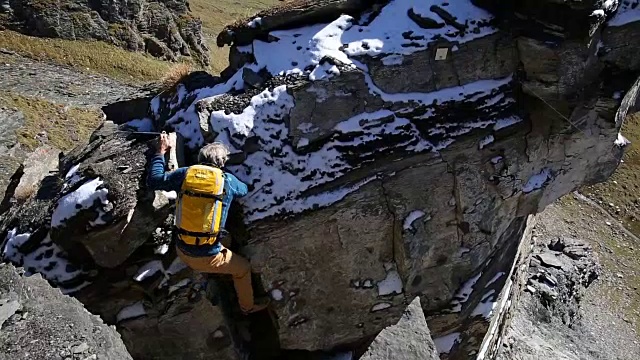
{"type": "Point", "coordinates": [203, 195]}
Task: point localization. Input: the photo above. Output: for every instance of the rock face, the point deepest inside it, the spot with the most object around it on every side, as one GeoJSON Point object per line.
{"type": "Point", "coordinates": [38, 322]}
{"type": "Point", "coordinates": [164, 29]}
{"type": "Point", "coordinates": [409, 339]}
{"type": "Point", "coordinates": [397, 151]}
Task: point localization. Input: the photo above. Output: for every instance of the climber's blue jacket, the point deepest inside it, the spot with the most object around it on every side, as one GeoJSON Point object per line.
{"type": "Point", "coordinates": [159, 179]}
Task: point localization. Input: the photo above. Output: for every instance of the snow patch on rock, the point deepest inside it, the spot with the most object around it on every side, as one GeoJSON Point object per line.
{"type": "Point", "coordinates": [255, 22]}
{"type": "Point", "coordinates": [495, 278]}
{"type": "Point", "coordinates": [391, 285]}
{"type": "Point", "coordinates": [394, 59]}
{"type": "Point", "coordinates": [131, 312]}
{"type": "Point", "coordinates": [486, 141]}
{"type": "Point", "coordinates": [304, 48]}
{"type": "Point", "coordinates": [444, 344]}
{"type": "Point", "coordinates": [46, 259]}
{"type": "Point", "coordinates": [411, 218]}
{"type": "Point", "coordinates": [276, 294]}
{"type": "Point", "coordinates": [628, 12]}
{"type": "Point", "coordinates": [463, 294]}
{"type": "Point", "coordinates": [486, 305]}
{"type": "Point", "coordinates": [148, 270]}
{"type": "Point", "coordinates": [621, 141]}
{"type": "Point", "coordinates": [319, 52]}
{"type": "Point", "coordinates": [85, 197]}
{"type": "Point", "coordinates": [144, 124]}
{"type": "Point", "coordinates": [506, 122]}
{"type": "Point", "coordinates": [536, 181]}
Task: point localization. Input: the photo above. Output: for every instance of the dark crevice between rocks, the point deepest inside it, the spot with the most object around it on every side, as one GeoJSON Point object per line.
{"type": "Point", "coordinates": [501, 260]}
{"type": "Point", "coordinates": [395, 239]}
{"type": "Point", "coordinates": [11, 188]}
{"type": "Point", "coordinates": [123, 111]}
{"type": "Point", "coordinates": [455, 193]}
{"type": "Point", "coordinates": [255, 336]}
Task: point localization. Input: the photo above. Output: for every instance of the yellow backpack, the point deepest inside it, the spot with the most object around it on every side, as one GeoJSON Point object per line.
{"type": "Point", "coordinates": [199, 205]}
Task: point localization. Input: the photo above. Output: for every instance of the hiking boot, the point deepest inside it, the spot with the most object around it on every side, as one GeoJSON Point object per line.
{"type": "Point", "coordinates": [259, 304]}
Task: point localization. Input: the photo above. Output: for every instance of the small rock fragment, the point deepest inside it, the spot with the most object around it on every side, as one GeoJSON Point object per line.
{"type": "Point", "coordinates": [80, 348]}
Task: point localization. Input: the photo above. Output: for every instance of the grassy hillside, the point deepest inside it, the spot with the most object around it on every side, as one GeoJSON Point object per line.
{"type": "Point", "coordinates": [130, 67]}
{"type": "Point", "coordinates": [60, 126]}
{"type": "Point", "coordinates": [216, 14]}
{"type": "Point", "coordinates": [620, 196]}
{"type": "Point", "coordinates": [93, 56]}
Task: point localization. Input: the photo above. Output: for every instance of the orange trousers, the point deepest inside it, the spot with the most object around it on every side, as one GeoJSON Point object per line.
{"type": "Point", "coordinates": [226, 262]}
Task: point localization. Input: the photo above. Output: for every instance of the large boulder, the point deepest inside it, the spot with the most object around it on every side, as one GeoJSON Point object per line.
{"type": "Point", "coordinates": [371, 179]}
{"type": "Point", "coordinates": [40, 323]}
{"type": "Point", "coordinates": [99, 193]}
{"type": "Point", "coordinates": [409, 339]}
{"type": "Point", "coordinates": [164, 29]}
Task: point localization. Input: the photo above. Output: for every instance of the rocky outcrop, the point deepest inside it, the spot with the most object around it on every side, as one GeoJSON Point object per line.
{"type": "Point", "coordinates": [551, 319]}
{"type": "Point", "coordinates": [409, 339]}
{"type": "Point", "coordinates": [39, 323]}
{"type": "Point", "coordinates": [385, 158]}
{"type": "Point", "coordinates": [291, 14]}
{"type": "Point", "coordinates": [164, 29]}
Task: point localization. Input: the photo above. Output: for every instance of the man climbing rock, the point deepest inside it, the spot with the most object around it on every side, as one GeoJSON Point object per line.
{"type": "Point", "coordinates": [205, 193]}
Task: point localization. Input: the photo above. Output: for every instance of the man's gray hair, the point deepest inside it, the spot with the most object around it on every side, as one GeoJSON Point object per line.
{"type": "Point", "coordinates": [215, 154]}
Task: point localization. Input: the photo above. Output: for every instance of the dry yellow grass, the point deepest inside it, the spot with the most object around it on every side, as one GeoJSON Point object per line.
{"type": "Point", "coordinates": [94, 56]}
{"type": "Point", "coordinates": [215, 15]}
{"type": "Point", "coordinates": [175, 73]}
{"type": "Point", "coordinates": [23, 193]}
{"type": "Point", "coordinates": [64, 127]}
